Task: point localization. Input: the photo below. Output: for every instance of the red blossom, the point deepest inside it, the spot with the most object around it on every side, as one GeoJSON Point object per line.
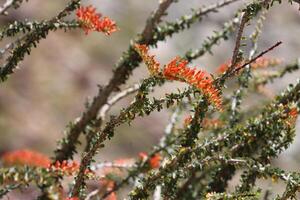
{"type": "Point", "coordinates": [68, 168]}
{"type": "Point", "coordinates": [25, 157]}
{"type": "Point", "coordinates": [293, 113]}
{"type": "Point", "coordinates": [154, 161]}
{"type": "Point", "coordinates": [292, 116]}
{"type": "Point", "coordinates": [177, 69]}
{"type": "Point", "coordinates": [92, 21]}
{"type": "Point", "coordinates": [152, 65]}
{"type": "Point", "coordinates": [223, 67]}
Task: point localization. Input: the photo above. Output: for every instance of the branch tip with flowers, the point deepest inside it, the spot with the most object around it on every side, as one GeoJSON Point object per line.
{"type": "Point", "coordinates": [92, 21]}
{"type": "Point", "coordinates": [178, 70]}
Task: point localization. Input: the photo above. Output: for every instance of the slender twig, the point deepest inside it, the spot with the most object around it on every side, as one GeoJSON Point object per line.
{"type": "Point", "coordinates": [92, 194]}
{"type": "Point", "coordinates": [235, 55]}
{"type": "Point", "coordinates": [119, 96]}
{"type": "Point", "coordinates": [170, 127]}
{"type": "Point", "coordinates": [255, 58]}
{"type": "Point", "coordinates": [279, 74]}
{"type": "Point", "coordinates": [29, 26]}
{"type": "Point", "coordinates": [111, 165]}
{"type": "Point", "coordinates": [237, 69]}
{"type": "Point", "coordinates": [103, 111]}
{"type": "Point", "coordinates": [245, 76]}
{"type": "Point", "coordinates": [155, 19]}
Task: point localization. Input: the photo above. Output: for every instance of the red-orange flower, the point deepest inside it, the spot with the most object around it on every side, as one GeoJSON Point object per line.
{"type": "Point", "coordinates": [177, 69]}
{"type": "Point", "coordinates": [25, 157]}
{"type": "Point", "coordinates": [67, 168]}
{"type": "Point", "coordinates": [223, 67]}
{"type": "Point", "coordinates": [292, 116]}
{"type": "Point", "coordinates": [154, 161]}
{"type": "Point", "coordinates": [151, 63]}
{"type": "Point", "coordinates": [92, 21]}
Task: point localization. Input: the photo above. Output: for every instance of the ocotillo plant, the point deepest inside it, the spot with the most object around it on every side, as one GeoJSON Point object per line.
{"type": "Point", "coordinates": [211, 136]}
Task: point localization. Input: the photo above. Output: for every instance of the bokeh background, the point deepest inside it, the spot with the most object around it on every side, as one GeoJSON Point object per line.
{"type": "Point", "coordinates": [54, 82]}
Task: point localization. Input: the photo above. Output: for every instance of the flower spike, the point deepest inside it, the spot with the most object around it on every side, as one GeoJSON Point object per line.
{"type": "Point", "coordinates": [152, 65]}
{"type": "Point", "coordinates": [177, 69]}
{"type": "Point", "coordinates": [91, 21]}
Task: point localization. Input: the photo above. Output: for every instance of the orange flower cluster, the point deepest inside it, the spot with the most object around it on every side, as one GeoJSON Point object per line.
{"type": "Point", "coordinates": [261, 62]}
{"type": "Point", "coordinates": [67, 168]}
{"type": "Point", "coordinates": [223, 67]}
{"type": "Point", "coordinates": [178, 70]}
{"type": "Point", "coordinates": [91, 21]}
{"type": "Point", "coordinates": [292, 116]}
{"type": "Point", "coordinates": [25, 157]}
{"type": "Point", "coordinates": [154, 161]}
{"type": "Point", "coordinates": [152, 64]}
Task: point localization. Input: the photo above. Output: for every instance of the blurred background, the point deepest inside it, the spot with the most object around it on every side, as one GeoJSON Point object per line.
{"type": "Point", "coordinates": [54, 82]}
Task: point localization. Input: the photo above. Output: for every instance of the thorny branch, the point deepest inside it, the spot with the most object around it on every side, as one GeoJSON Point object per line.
{"type": "Point", "coordinates": [184, 152]}
{"type": "Point", "coordinates": [124, 93]}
